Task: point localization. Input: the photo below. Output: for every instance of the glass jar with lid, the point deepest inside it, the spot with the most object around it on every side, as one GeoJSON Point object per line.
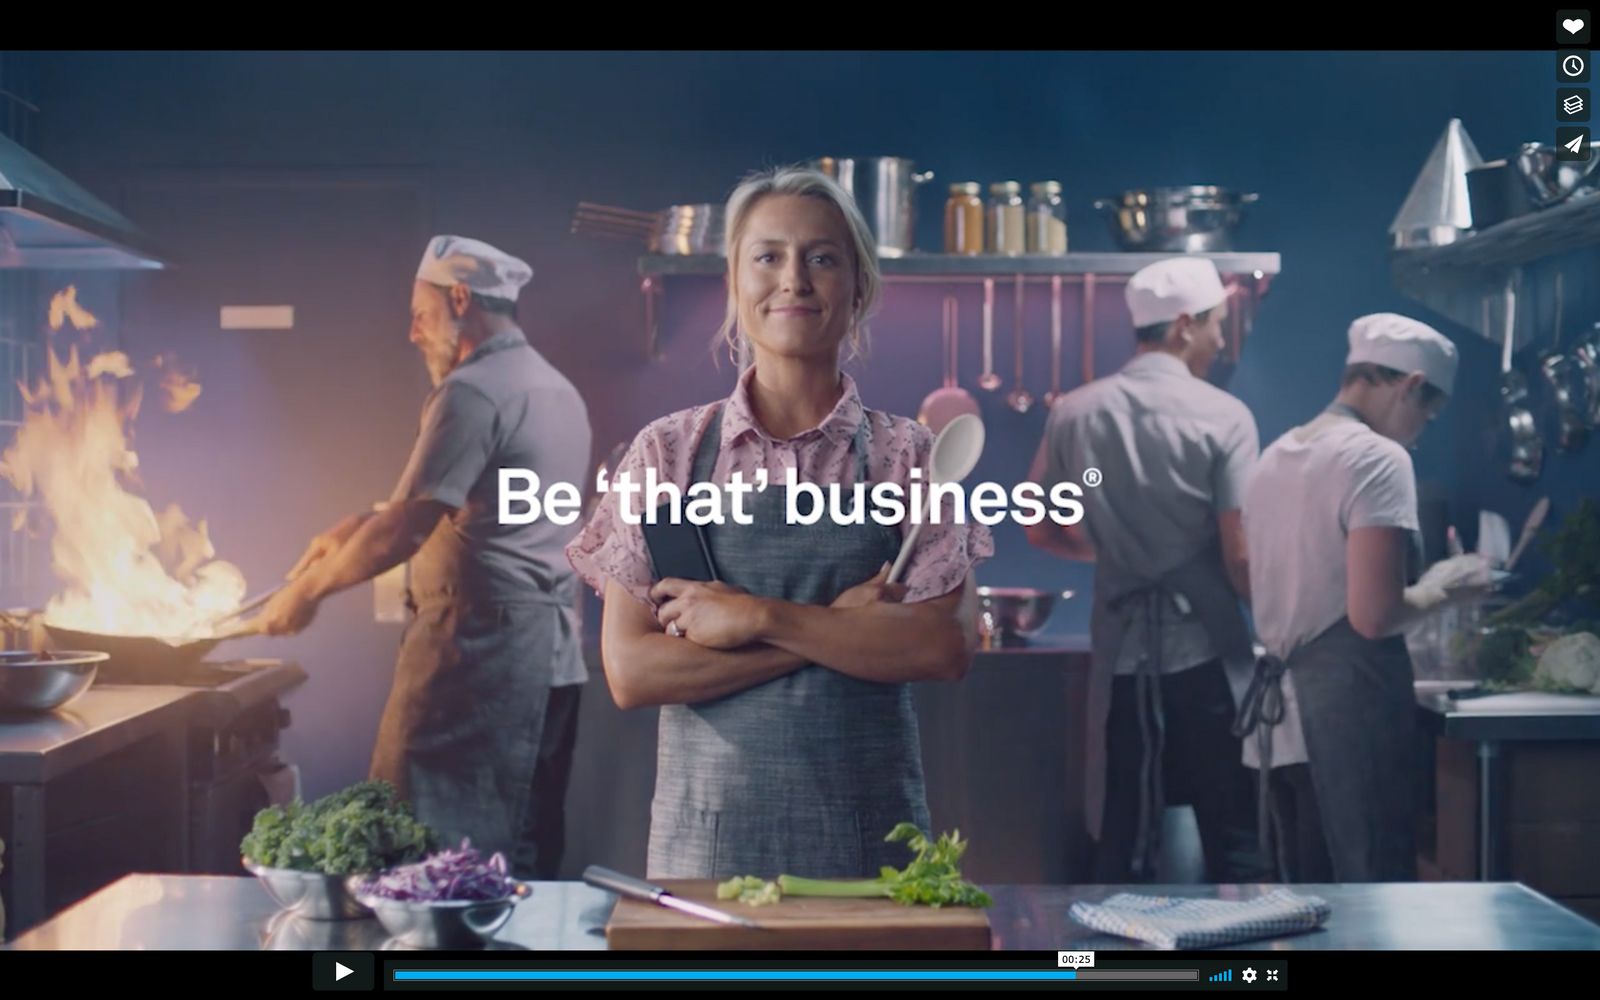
{"type": "Point", "coordinates": [1047, 219]}
{"type": "Point", "coordinates": [1007, 219]}
{"type": "Point", "coordinates": [963, 219]}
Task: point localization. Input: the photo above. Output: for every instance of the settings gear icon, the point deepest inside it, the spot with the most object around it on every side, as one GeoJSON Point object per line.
{"type": "Point", "coordinates": [1249, 975]}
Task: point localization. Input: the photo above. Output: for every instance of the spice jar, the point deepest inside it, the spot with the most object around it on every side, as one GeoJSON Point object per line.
{"type": "Point", "coordinates": [1047, 219]}
{"type": "Point", "coordinates": [963, 219]}
{"type": "Point", "coordinates": [1007, 216]}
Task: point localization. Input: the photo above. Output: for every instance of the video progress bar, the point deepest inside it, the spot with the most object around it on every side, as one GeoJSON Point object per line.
{"type": "Point", "coordinates": [790, 975]}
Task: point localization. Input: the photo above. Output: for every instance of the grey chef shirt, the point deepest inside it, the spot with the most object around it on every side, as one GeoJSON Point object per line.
{"type": "Point", "coordinates": [1174, 451]}
{"type": "Point", "coordinates": [505, 406]}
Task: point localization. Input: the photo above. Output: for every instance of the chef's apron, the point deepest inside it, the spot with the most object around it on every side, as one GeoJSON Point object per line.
{"type": "Point", "coordinates": [461, 731]}
{"type": "Point", "coordinates": [805, 774]}
{"type": "Point", "coordinates": [1201, 585]}
{"type": "Point", "coordinates": [1357, 710]}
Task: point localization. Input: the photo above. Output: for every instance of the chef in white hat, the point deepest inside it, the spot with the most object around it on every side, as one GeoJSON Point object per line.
{"type": "Point", "coordinates": [1331, 522]}
{"type": "Point", "coordinates": [1171, 649]}
{"type": "Point", "coordinates": [479, 725]}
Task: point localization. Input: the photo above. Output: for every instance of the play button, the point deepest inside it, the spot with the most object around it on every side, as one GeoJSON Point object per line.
{"type": "Point", "coordinates": [343, 970]}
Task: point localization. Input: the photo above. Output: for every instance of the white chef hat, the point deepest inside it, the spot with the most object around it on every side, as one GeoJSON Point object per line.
{"type": "Point", "coordinates": [1170, 288]}
{"type": "Point", "coordinates": [1406, 345]}
{"type": "Point", "coordinates": [481, 267]}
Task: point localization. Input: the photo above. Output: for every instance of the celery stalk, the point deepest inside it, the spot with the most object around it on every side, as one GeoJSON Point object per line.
{"type": "Point", "coordinates": [793, 885]}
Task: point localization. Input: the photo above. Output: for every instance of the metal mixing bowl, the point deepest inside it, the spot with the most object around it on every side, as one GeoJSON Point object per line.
{"type": "Point", "coordinates": [449, 923]}
{"type": "Point", "coordinates": [39, 682]}
{"type": "Point", "coordinates": [1198, 218]}
{"type": "Point", "coordinates": [312, 895]}
{"type": "Point", "coordinates": [1016, 611]}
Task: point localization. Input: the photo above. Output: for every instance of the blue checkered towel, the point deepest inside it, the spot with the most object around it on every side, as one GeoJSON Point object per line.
{"type": "Point", "coordinates": [1171, 922]}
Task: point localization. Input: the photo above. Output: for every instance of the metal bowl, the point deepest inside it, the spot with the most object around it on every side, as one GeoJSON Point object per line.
{"type": "Point", "coordinates": [39, 682]}
{"type": "Point", "coordinates": [449, 924]}
{"type": "Point", "coordinates": [1549, 179]}
{"type": "Point", "coordinates": [312, 895]}
{"type": "Point", "coordinates": [1199, 218]}
{"type": "Point", "coordinates": [1016, 611]}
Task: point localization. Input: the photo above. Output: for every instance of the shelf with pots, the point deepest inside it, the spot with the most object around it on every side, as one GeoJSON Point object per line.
{"type": "Point", "coordinates": [1248, 276]}
{"type": "Point", "coordinates": [685, 242]}
{"type": "Point", "coordinates": [1473, 236]}
{"type": "Point", "coordinates": [958, 267]}
{"type": "Point", "coordinates": [1455, 279]}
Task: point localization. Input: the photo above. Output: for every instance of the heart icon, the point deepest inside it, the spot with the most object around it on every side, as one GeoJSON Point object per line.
{"type": "Point", "coordinates": [1573, 25]}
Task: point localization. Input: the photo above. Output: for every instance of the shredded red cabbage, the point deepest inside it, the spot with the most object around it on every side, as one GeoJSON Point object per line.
{"type": "Point", "coordinates": [461, 874]}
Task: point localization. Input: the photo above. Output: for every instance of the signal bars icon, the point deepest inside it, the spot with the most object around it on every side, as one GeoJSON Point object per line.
{"type": "Point", "coordinates": [1225, 976]}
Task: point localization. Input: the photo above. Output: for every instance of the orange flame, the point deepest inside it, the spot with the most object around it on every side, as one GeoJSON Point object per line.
{"type": "Point", "coordinates": [179, 390]}
{"type": "Point", "coordinates": [64, 308]}
{"type": "Point", "coordinates": [126, 570]}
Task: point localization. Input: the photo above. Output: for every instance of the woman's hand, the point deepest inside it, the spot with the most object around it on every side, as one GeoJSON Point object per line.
{"type": "Point", "coordinates": [714, 615]}
{"type": "Point", "coordinates": [871, 592]}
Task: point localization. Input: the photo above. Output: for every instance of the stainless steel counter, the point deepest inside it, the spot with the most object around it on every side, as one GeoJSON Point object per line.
{"type": "Point", "coordinates": [120, 756]}
{"type": "Point", "coordinates": [36, 748]}
{"type": "Point", "coordinates": [108, 717]}
{"type": "Point", "coordinates": [1410, 916]}
{"type": "Point", "coordinates": [1493, 725]}
{"type": "Point", "coordinates": [238, 685]}
{"type": "Point", "coordinates": [217, 913]}
{"type": "Point", "coordinates": [1511, 717]}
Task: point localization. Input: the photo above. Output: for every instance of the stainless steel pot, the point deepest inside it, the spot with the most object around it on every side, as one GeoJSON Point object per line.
{"type": "Point", "coordinates": [690, 230]}
{"type": "Point", "coordinates": [1566, 385]}
{"type": "Point", "coordinates": [1551, 180]}
{"type": "Point", "coordinates": [1520, 445]}
{"type": "Point", "coordinates": [678, 230]}
{"type": "Point", "coordinates": [885, 189]}
{"type": "Point", "coordinates": [1196, 219]}
{"type": "Point", "coordinates": [1587, 358]}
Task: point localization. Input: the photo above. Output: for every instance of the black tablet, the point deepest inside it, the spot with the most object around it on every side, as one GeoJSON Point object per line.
{"type": "Point", "coordinates": [678, 550]}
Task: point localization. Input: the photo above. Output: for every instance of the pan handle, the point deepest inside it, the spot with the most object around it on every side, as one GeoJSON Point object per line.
{"type": "Point", "coordinates": [254, 603]}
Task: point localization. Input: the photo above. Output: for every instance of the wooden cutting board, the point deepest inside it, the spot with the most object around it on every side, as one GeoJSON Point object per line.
{"type": "Point", "coordinates": [795, 922]}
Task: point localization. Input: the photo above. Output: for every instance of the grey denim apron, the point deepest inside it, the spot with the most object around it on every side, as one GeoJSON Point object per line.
{"type": "Point", "coordinates": [460, 734]}
{"type": "Point", "coordinates": [804, 774]}
{"type": "Point", "coordinates": [1358, 710]}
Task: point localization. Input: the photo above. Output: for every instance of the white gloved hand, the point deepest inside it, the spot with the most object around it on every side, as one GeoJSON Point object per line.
{"type": "Point", "coordinates": [1454, 580]}
{"type": "Point", "coordinates": [1469, 570]}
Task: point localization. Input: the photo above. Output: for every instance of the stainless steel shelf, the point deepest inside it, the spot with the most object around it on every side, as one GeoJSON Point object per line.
{"type": "Point", "coordinates": [1457, 279]}
{"type": "Point", "coordinates": [1251, 272]}
{"type": "Point", "coordinates": [950, 267]}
